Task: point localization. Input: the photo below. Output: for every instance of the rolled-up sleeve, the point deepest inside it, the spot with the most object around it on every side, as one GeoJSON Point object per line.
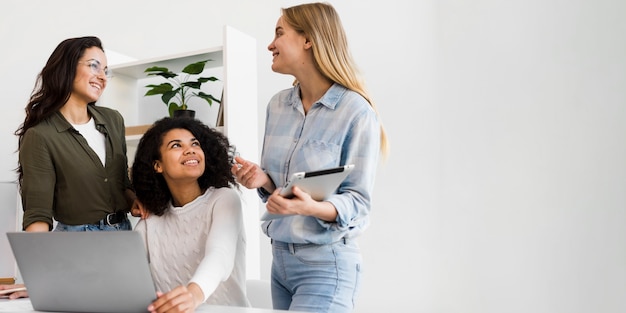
{"type": "Point", "coordinates": [37, 188]}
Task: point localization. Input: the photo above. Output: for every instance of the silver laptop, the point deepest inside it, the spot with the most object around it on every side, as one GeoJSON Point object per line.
{"type": "Point", "coordinates": [89, 272]}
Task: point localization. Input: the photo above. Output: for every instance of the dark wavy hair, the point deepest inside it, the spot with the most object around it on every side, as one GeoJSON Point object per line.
{"type": "Point", "coordinates": [150, 186]}
{"type": "Point", "coordinates": [54, 84]}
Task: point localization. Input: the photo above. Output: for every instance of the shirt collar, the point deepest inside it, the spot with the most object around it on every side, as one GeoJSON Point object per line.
{"type": "Point", "coordinates": [330, 99]}
{"type": "Point", "coordinates": [61, 124]}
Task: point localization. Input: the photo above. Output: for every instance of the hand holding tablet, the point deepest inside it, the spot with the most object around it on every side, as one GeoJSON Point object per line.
{"type": "Point", "coordinates": [319, 184]}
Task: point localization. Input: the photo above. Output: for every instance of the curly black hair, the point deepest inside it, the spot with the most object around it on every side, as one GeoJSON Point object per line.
{"type": "Point", "coordinates": [150, 186]}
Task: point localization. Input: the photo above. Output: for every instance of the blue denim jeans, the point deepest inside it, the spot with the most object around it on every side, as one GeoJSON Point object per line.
{"type": "Point", "coordinates": [316, 278]}
{"type": "Point", "coordinates": [102, 226]}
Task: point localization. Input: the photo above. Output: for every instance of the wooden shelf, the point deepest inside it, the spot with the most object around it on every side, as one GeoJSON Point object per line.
{"type": "Point", "coordinates": [137, 130]}
{"type": "Point", "coordinates": [7, 280]}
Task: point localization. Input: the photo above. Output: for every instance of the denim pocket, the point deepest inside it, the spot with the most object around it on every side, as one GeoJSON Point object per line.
{"type": "Point", "coordinates": [316, 255]}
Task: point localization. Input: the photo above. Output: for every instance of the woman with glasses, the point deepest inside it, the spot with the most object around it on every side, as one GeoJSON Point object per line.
{"type": "Point", "coordinates": [72, 154]}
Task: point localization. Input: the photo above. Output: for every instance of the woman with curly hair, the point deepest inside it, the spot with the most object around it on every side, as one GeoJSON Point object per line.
{"type": "Point", "coordinates": [191, 216]}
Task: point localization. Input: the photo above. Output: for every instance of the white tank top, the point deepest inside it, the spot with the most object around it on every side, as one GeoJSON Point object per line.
{"type": "Point", "coordinates": [94, 138]}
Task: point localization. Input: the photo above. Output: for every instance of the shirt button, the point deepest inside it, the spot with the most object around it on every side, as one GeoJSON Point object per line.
{"type": "Point", "coordinates": [106, 180]}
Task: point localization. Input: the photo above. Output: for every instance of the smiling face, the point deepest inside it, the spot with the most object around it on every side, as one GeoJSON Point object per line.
{"type": "Point", "coordinates": [182, 158]}
{"type": "Point", "coordinates": [88, 85]}
{"type": "Point", "coordinates": [289, 48]}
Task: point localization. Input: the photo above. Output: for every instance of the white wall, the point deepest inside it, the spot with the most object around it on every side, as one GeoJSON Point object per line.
{"type": "Point", "coordinates": [533, 146]}
{"type": "Point", "coordinates": [505, 188]}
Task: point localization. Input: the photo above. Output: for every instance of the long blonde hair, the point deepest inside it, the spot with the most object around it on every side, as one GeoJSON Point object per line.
{"type": "Point", "coordinates": [320, 24]}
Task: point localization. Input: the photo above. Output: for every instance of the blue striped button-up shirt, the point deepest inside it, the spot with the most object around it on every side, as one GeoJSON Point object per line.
{"type": "Point", "coordinates": [341, 128]}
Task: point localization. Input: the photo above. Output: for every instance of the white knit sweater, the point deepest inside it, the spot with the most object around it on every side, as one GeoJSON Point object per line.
{"type": "Point", "coordinates": [202, 242]}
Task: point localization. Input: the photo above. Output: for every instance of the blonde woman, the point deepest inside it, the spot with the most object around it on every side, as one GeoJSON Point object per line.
{"type": "Point", "coordinates": [325, 120]}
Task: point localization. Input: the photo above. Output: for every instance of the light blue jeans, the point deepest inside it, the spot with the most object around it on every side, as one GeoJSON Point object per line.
{"type": "Point", "coordinates": [316, 278]}
{"type": "Point", "coordinates": [124, 225]}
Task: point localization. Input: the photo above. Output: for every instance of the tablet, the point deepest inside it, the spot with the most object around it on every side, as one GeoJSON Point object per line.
{"type": "Point", "coordinates": [319, 184]}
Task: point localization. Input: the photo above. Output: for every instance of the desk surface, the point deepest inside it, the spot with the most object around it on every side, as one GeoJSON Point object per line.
{"type": "Point", "coordinates": [24, 306]}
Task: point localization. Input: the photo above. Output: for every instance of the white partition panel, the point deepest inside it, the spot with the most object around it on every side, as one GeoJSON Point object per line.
{"type": "Point", "coordinates": [240, 125]}
{"type": "Point", "coordinates": [10, 220]}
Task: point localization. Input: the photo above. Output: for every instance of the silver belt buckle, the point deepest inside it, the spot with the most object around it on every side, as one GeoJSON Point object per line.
{"type": "Point", "coordinates": [108, 218]}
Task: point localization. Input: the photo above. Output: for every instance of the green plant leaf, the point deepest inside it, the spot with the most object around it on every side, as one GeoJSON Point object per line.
{"type": "Point", "coordinates": [209, 98]}
{"type": "Point", "coordinates": [206, 79]}
{"type": "Point", "coordinates": [177, 90]}
{"type": "Point", "coordinates": [192, 84]}
{"type": "Point", "coordinates": [159, 89]}
{"type": "Point", "coordinates": [173, 107]}
{"type": "Point", "coordinates": [195, 68]}
{"type": "Point", "coordinates": [160, 71]}
{"type": "Point", "coordinates": [156, 69]}
{"type": "Point", "coordinates": [167, 96]}
{"type": "Point", "coordinates": [167, 75]}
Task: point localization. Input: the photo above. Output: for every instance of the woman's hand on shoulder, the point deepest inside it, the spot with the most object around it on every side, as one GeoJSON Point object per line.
{"type": "Point", "coordinates": [138, 210]}
{"type": "Point", "coordinates": [180, 299]}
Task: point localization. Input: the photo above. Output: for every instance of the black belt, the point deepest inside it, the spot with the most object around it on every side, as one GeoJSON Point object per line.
{"type": "Point", "coordinates": [114, 218]}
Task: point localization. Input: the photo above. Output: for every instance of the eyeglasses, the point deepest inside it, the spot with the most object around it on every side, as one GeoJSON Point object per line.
{"type": "Point", "coordinates": [96, 67]}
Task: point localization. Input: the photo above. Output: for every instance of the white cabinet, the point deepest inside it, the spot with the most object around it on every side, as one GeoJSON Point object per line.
{"type": "Point", "coordinates": [10, 221]}
{"type": "Point", "coordinates": [234, 64]}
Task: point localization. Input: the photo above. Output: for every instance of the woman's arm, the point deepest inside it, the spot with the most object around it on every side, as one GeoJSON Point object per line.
{"type": "Point", "coordinates": [221, 246]}
{"type": "Point", "coordinates": [178, 300]}
{"type": "Point", "coordinates": [38, 181]}
{"type": "Point", "coordinates": [38, 227]}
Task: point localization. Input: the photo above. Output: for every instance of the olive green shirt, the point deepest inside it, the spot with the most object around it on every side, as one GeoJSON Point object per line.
{"type": "Point", "coordinates": [64, 179]}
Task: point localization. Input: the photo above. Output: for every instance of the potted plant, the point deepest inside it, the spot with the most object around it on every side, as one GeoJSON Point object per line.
{"type": "Point", "coordinates": [178, 89]}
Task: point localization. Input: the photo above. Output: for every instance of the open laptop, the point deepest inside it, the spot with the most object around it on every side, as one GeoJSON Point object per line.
{"type": "Point", "coordinates": [84, 271]}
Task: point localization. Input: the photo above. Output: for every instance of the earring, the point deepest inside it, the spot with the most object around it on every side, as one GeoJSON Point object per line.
{"type": "Point", "coordinates": [156, 166]}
